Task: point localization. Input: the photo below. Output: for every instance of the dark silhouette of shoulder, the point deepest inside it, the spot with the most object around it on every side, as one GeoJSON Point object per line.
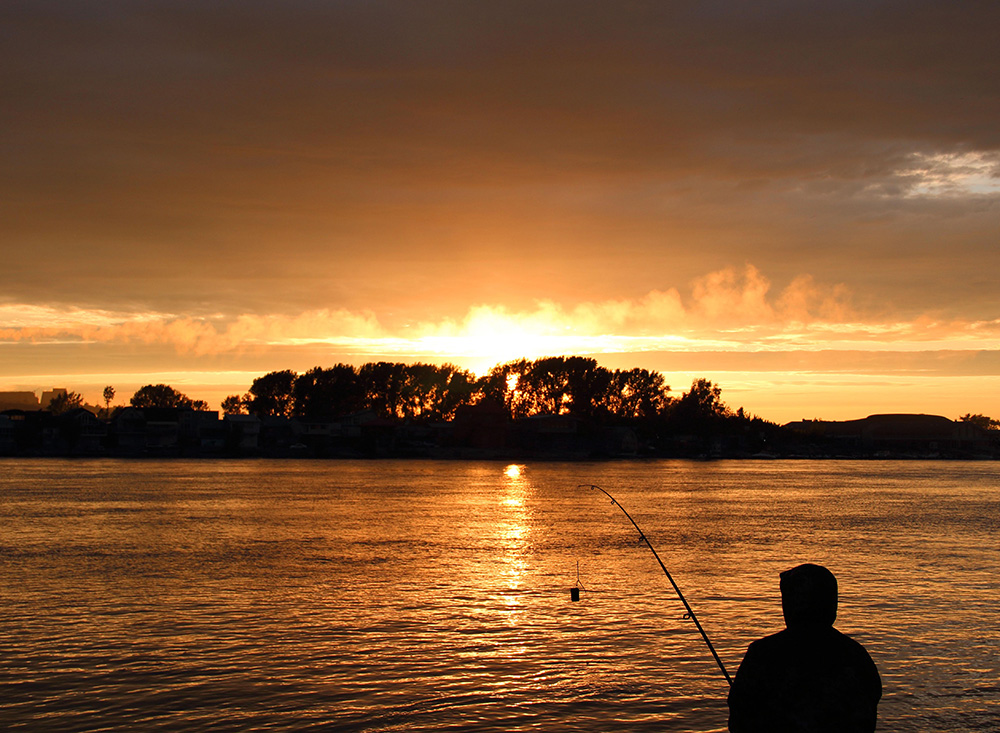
{"type": "Point", "coordinates": [809, 678]}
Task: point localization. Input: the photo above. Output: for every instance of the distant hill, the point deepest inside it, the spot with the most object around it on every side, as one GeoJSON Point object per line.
{"type": "Point", "coordinates": [901, 433]}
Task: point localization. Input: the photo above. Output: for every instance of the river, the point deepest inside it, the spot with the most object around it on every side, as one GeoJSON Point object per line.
{"type": "Point", "coordinates": [435, 596]}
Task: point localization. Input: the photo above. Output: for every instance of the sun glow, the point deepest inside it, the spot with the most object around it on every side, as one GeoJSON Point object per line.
{"type": "Point", "coordinates": [732, 327]}
{"type": "Point", "coordinates": [490, 336]}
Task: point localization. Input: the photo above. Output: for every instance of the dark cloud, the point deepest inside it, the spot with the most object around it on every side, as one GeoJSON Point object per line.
{"type": "Point", "coordinates": [275, 155]}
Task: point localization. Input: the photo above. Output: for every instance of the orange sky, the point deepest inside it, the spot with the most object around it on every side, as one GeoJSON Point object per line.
{"type": "Point", "coordinates": [800, 201]}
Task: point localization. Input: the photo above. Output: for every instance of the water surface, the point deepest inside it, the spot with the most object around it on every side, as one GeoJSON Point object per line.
{"type": "Point", "coordinates": [426, 596]}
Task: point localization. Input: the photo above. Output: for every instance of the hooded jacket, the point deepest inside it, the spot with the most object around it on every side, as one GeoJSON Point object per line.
{"type": "Point", "coordinates": [809, 678]}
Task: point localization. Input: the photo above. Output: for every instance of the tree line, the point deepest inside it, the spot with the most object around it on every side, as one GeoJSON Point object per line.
{"type": "Point", "coordinates": [558, 385]}
{"type": "Point", "coordinates": [572, 385]}
{"type": "Point", "coordinates": [561, 385]}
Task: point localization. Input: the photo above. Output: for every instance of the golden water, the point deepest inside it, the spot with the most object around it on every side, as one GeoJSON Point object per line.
{"type": "Point", "coordinates": [415, 595]}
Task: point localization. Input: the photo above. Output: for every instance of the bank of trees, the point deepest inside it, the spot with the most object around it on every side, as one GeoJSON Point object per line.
{"type": "Point", "coordinates": [571, 385]}
{"type": "Point", "coordinates": [64, 402]}
{"type": "Point", "coordinates": [575, 386]}
{"type": "Point", "coordinates": [983, 421]}
{"type": "Point", "coordinates": [159, 395]}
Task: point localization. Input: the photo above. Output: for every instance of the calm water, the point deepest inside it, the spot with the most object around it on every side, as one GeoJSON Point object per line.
{"type": "Point", "coordinates": [428, 596]}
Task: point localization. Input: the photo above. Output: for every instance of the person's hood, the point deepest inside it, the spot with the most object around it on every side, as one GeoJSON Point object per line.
{"type": "Point", "coordinates": [808, 596]}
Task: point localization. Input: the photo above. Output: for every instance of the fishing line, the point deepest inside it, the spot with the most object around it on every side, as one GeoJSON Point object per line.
{"type": "Point", "coordinates": [574, 592]}
{"type": "Point", "coordinates": [690, 612]}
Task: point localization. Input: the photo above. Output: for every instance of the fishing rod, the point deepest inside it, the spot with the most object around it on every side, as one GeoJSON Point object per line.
{"type": "Point", "coordinates": [690, 612]}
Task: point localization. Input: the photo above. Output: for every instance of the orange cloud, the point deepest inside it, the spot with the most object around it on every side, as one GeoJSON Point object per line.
{"type": "Point", "coordinates": [731, 309]}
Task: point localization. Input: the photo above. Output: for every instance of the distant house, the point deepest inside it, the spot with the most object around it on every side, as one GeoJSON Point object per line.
{"type": "Point", "coordinates": [8, 436]}
{"type": "Point", "coordinates": [316, 435]}
{"type": "Point", "coordinates": [200, 431]}
{"type": "Point", "coordinates": [211, 436]}
{"type": "Point", "coordinates": [127, 432]}
{"type": "Point", "coordinates": [277, 435]}
{"type": "Point", "coordinates": [368, 433]}
{"type": "Point", "coordinates": [483, 426]}
{"type": "Point", "coordinates": [81, 432]}
{"type": "Point", "coordinates": [619, 442]}
{"type": "Point", "coordinates": [317, 427]}
{"type": "Point", "coordinates": [242, 433]}
{"type": "Point", "coordinates": [548, 434]}
{"type": "Point", "coordinates": [163, 429]}
{"type": "Point", "coordinates": [33, 432]}
{"type": "Point", "coordinates": [351, 424]}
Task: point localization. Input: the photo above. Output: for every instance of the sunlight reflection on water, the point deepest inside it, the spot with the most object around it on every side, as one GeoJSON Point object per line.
{"type": "Point", "coordinates": [407, 595]}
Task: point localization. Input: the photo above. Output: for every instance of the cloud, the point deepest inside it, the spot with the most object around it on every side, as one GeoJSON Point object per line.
{"type": "Point", "coordinates": [349, 140]}
{"type": "Point", "coordinates": [954, 174]}
{"type": "Point", "coordinates": [728, 295]}
{"type": "Point", "coordinates": [192, 335]}
{"type": "Point", "coordinates": [726, 310]}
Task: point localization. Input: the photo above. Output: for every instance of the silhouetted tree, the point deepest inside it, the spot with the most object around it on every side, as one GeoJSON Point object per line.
{"type": "Point", "coordinates": [159, 395]}
{"type": "Point", "coordinates": [273, 394]}
{"type": "Point", "coordinates": [459, 390]}
{"type": "Point", "coordinates": [234, 404]}
{"type": "Point", "coordinates": [109, 394]}
{"type": "Point", "coordinates": [64, 402]}
{"type": "Point", "coordinates": [986, 423]}
{"type": "Point", "coordinates": [432, 392]}
{"type": "Point", "coordinates": [382, 384]}
{"type": "Point", "coordinates": [545, 386]}
{"type": "Point", "coordinates": [328, 392]}
{"type": "Point", "coordinates": [699, 407]}
{"type": "Point", "coordinates": [637, 394]}
{"type": "Point", "coordinates": [504, 385]}
{"type": "Point", "coordinates": [586, 387]}
{"type": "Point", "coordinates": [423, 386]}
{"type": "Point", "coordinates": [575, 385]}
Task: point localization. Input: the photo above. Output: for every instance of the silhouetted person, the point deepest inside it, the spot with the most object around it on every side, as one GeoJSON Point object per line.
{"type": "Point", "coordinates": [809, 678]}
